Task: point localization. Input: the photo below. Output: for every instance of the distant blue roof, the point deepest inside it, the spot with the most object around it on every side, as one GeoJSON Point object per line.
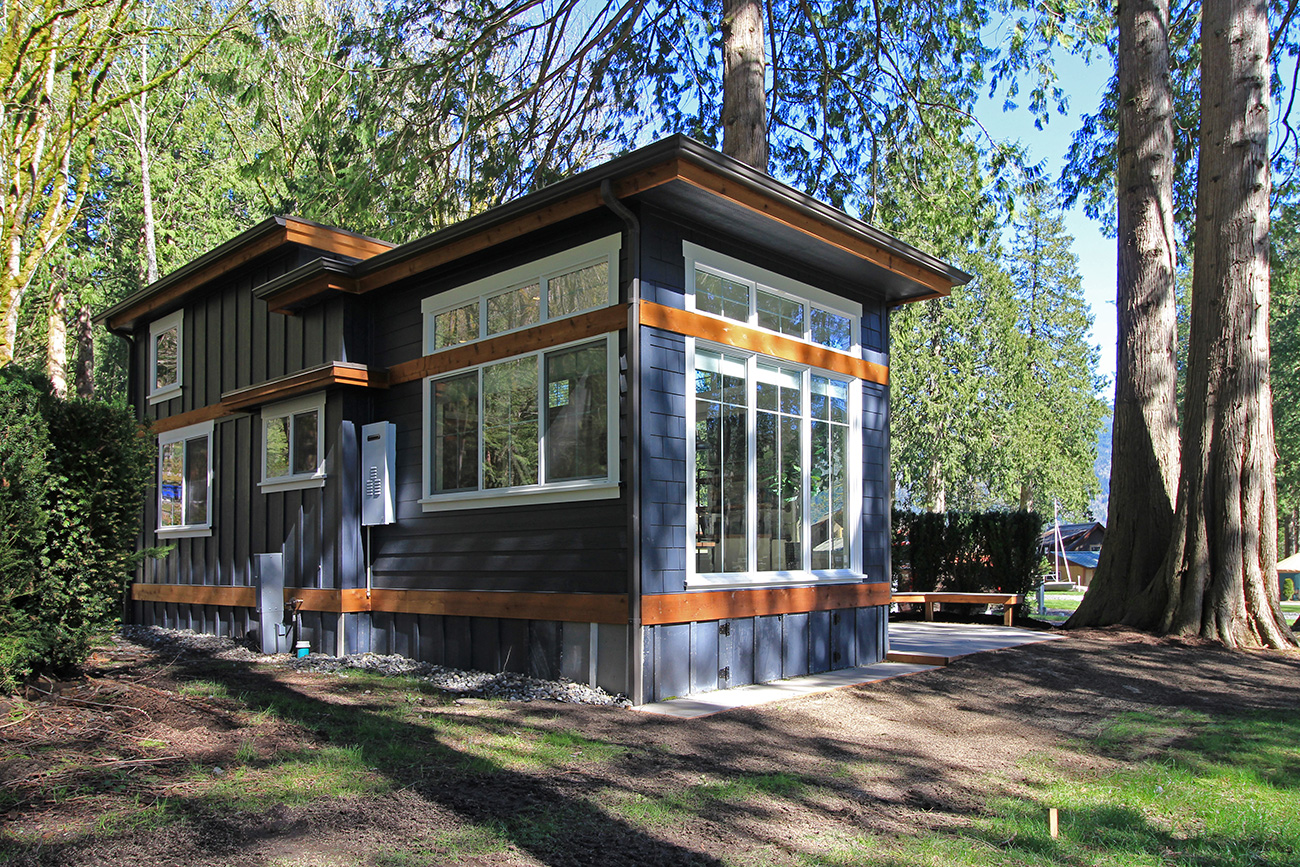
{"type": "Point", "coordinates": [1086, 559]}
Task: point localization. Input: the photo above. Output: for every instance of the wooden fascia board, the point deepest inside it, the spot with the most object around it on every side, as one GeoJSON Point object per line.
{"type": "Point", "coordinates": [602, 321]}
{"type": "Point", "coordinates": [268, 242]}
{"type": "Point", "coordinates": [700, 176]}
{"type": "Point", "coordinates": [338, 373]}
{"type": "Point", "coordinates": [288, 299]}
{"type": "Point", "coordinates": [334, 241]}
{"type": "Point", "coordinates": [743, 337]}
{"type": "Point", "coordinates": [292, 232]}
{"type": "Point", "coordinates": [707, 605]}
{"type": "Point", "coordinates": [517, 227]}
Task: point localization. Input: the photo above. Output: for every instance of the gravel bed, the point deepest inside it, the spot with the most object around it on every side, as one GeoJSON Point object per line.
{"type": "Point", "coordinates": [507, 686]}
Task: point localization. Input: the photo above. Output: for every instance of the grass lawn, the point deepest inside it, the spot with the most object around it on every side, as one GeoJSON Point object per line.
{"type": "Point", "coordinates": [1061, 604]}
{"type": "Point", "coordinates": [1144, 748]}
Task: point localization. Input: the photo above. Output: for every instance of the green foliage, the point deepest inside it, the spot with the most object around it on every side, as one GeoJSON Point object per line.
{"type": "Point", "coordinates": [970, 552]}
{"type": "Point", "coordinates": [1288, 588]}
{"type": "Point", "coordinates": [73, 476]}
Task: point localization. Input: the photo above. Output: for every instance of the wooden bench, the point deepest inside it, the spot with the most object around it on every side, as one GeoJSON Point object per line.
{"type": "Point", "coordinates": [1009, 601]}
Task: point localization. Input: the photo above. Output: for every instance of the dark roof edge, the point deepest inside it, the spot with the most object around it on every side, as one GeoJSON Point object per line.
{"type": "Point", "coordinates": [676, 146]}
{"type": "Point", "coordinates": [323, 265]}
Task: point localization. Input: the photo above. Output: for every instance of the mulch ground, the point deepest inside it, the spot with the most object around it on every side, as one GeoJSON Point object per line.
{"type": "Point", "coordinates": [84, 767]}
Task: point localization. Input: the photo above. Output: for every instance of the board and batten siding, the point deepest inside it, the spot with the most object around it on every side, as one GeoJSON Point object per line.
{"type": "Point", "coordinates": [232, 341]}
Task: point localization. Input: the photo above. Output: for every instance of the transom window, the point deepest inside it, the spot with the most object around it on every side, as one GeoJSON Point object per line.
{"type": "Point", "coordinates": [293, 445]}
{"type": "Point", "coordinates": [566, 284]}
{"type": "Point", "coordinates": [524, 427]}
{"type": "Point", "coordinates": [185, 481]}
{"type": "Point", "coordinates": [732, 289]}
{"type": "Point", "coordinates": [774, 483]}
{"type": "Point", "coordinates": [165, 357]}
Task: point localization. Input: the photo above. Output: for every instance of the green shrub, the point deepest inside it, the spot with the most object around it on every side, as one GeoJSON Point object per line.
{"type": "Point", "coordinates": [1288, 588]}
{"type": "Point", "coordinates": [79, 470]}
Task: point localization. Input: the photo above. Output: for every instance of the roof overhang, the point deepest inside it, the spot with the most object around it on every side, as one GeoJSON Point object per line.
{"type": "Point", "coordinates": [677, 174]}
{"type": "Point", "coordinates": [266, 237]}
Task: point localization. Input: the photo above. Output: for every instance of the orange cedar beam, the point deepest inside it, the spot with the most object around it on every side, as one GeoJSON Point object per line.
{"type": "Point", "coordinates": [707, 605]}
{"type": "Point", "coordinates": [602, 321]}
{"type": "Point", "coordinates": [775, 345]}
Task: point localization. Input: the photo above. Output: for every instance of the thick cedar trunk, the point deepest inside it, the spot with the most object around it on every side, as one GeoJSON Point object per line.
{"type": "Point", "coordinates": [744, 100]}
{"type": "Point", "coordinates": [85, 336]}
{"type": "Point", "coordinates": [56, 340]}
{"type": "Point", "coordinates": [1220, 575]}
{"type": "Point", "coordinates": [1144, 463]}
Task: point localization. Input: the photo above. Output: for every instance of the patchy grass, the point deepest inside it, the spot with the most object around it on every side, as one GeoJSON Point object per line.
{"type": "Point", "coordinates": [1208, 792]}
{"type": "Point", "coordinates": [679, 806]}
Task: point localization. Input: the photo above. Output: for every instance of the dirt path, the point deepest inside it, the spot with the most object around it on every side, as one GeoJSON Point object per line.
{"type": "Point", "coordinates": [208, 762]}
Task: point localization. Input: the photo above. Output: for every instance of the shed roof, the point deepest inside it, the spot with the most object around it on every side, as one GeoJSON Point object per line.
{"type": "Point", "coordinates": [677, 174]}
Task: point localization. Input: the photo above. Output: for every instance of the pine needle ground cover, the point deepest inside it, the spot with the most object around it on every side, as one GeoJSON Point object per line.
{"type": "Point", "coordinates": [1153, 752]}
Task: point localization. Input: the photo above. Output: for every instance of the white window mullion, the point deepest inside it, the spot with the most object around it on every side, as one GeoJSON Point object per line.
{"type": "Point", "coordinates": [543, 406]}
{"type": "Point", "coordinates": [751, 462]}
{"type": "Point", "coordinates": [805, 434]}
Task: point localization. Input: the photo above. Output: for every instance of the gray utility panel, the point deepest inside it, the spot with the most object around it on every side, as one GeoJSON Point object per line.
{"type": "Point", "coordinates": [378, 468]}
{"type": "Point", "coordinates": [268, 577]}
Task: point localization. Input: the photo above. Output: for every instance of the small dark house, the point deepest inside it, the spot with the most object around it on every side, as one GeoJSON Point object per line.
{"type": "Point", "coordinates": [1075, 537]}
{"type": "Point", "coordinates": [632, 429]}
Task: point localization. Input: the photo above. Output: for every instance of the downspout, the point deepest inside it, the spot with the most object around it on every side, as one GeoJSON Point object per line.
{"type": "Point", "coordinates": [635, 643]}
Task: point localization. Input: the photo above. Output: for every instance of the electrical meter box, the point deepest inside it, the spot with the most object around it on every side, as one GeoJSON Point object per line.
{"type": "Point", "coordinates": [378, 471]}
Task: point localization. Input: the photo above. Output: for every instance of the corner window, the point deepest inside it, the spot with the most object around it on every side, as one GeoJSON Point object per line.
{"type": "Point", "coordinates": [166, 351]}
{"type": "Point", "coordinates": [576, 281]}
{"type": "Point", "coordinates": [185, 481]}
{"type": "Point", "coordinates": [524, 429]}
{"type": "Point", "coordinates": [729, 288]}
{"type": "Point", "coordinates": [775, 458]}
{"type": "Point", "coordinates": [293, 446]}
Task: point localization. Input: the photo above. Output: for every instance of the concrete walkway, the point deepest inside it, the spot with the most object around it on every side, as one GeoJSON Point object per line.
{"type": "Point", "coordinates": [913, 647]}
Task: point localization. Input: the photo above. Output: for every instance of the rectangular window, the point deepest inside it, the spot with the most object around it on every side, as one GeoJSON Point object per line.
{"type": "Point", "coordinates": [293, 450]}
{"type": "Point", "coordinates": [166, 346]}
{"type": "Point", "coordinates": [773, 457]}
{"type": "Point", "coordinates": [185, 481]}
{"type": "Point", "coordinates": [521, 429]}
{"type": "Point", "coordinates": [556, 287]}
{"type": "Point", "coordinates": [733, 289]}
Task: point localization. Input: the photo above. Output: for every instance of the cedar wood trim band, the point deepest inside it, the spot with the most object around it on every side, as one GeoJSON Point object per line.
{"type": "Point", "coordinates": [572, 607]}
{"type": "Point", "coordinates": [602, 321]}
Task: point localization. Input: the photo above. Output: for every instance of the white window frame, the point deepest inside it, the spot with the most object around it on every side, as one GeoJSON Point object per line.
{"type": "Point", "coordinates": [191, 432]}
{"type": "Point", "coordinates": [175, 320]}
{"type": "Point", "coordinates": [601, 250]}
{"type": "Point", "coordinates": [713, 262]}
{"type": "Point", "coordinates": [752, 577]}
{"type": "Point", "coordinates": [573, 490]}
{"type": "Point", "coordinates": [294, 481]}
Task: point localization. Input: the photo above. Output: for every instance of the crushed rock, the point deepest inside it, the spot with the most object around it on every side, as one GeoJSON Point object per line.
{"type": "Point", "coordinates": [507, 686]}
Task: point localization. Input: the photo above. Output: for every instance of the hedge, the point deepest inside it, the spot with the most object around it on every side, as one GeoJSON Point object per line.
{"type": "Point", "coordinates": [72, 479]}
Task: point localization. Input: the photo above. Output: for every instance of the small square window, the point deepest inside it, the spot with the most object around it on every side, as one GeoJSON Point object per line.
{"type": "Point", "coordinates": [166, 354]}
{"type": "Point", "coordinates": [456, 326]}
{"type": "Point", "coordinates": [185, 481]}
{"type": "Point", "coordinates": [293, 450]}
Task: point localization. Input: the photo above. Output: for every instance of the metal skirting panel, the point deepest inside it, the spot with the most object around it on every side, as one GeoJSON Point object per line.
{"type": "Point", "coordinates": [688, 658]}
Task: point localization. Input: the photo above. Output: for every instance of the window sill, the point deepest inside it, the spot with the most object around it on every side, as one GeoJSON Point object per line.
{"type": "Point", "coordinates": [742, 580]}
{"type": "Point", "coordinates": [292, 484]}
{"type": "Point", "coordinates": [163, 395]}
{"type": "Point", "coordinates": [182, 532]}
{"type": "Point", "coordinates": [570, 493]}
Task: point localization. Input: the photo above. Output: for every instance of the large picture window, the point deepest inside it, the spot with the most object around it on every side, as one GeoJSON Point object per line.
{"type": "Point", "coordinates": [729, 288]}
{"type": "Point", "coordinates": [523, 428]}
{"type": "Point", "coordinates": [185, 481]}
{"type": "Point", "coordinates": [166, 354]}
{"type": "Point", "coordinates": [774, 481]}
{"type": "Point", "coordinates": [293, 445]}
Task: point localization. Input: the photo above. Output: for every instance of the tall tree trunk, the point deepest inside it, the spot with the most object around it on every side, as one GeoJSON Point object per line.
{"type": "Point", "coordinates": [744, 100]}
{"type": "Point", "coordinates": [1219, 580]}
{"type": "Point", "coordinates": [85, 332]}
{"type": "Point", "coordinates": [1026, 497]}
{"type": "Point", "coordinates": [1144, 461]}
{"type": "Point", "coordinates": [56, 338]}
{"type": "Point", "coordinates": [148, 228]}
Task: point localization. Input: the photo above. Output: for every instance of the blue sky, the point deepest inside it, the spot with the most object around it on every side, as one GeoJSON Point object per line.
{"type": "Point", "coordinates": [1084, 84]}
